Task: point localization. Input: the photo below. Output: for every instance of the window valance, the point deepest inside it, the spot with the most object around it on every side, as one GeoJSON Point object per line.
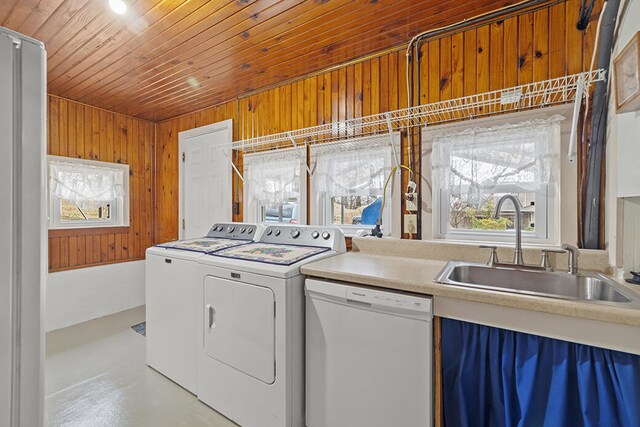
{"type": "Point", "coordinates": [477, 161]}
{"type": "Point", "coordinates": [272, 176]}
{"type": "Point", "coordinates": [81, 182]}
{"type": "Point", "coordinates": [353, 168]}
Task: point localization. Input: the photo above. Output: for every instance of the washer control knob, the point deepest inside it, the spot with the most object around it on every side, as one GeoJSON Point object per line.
{"type": "Point", "coordinates": [295, 233]}
{"type": "Point", "coordinates": [249, 230]}
{"type": "Point", "coordinates": [230, 228]}
{"type": "Point", "coordinates": [269, 231]}
{"type": "Point", "coordinates": [326, 235]}
{"type": "Point", "coordinates": [277, 233]}
{"type": "Point", "coordinates": [242, 230]}
{"type": "Point", "coordinates": [315, 234]}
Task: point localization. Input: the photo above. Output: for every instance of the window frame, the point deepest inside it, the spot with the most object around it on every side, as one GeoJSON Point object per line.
{"type": "Point", "coordinates": [543, 202]}
{"type": "Point", "coordinates": [351, 229]}
{"type": "Point", "coordinates": [323, 210]}
{"type": "Point", "coordinates": [262, 212]}
{"type": "Point", "coordinates": [386, 217]}
{"type": "Point", "coordinates": [256, 209]}
{"type": "Point", "coordinates": [548, 221]}
{"type": "Point", "coordinates": [119, 210]}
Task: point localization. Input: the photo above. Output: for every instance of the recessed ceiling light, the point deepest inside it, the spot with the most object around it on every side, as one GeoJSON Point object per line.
{"type": "Point", "coordinates": [118, 6]}
{"type": "Point", "coordinates": [194, 83]}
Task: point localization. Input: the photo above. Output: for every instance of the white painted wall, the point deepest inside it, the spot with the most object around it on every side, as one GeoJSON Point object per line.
{"type": "Point", "coordinates": [627, 125]}
{"type": "Point", "coordinates": [631, 238]}
{"type": "Point", "coordinates": [623, 149]}
{"type": "Point", "coordinates": [76, 296]}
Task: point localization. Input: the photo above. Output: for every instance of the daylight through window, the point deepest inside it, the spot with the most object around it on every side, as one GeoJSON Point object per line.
{"type": "Point", "coordinates": [472, 169]}
{"type": "Point", "coordinates": [349, 180]}
{"type": "Point", "coordinates": [86, 193]}
{"type": "Point", "coordinates": [273, 183]}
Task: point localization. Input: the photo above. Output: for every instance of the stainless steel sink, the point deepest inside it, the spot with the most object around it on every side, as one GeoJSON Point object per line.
{"type": "Point", "coordinates": [588, 287]}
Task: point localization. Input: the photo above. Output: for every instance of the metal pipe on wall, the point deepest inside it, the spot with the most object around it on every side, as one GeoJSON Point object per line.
{"type": "Point", "coordinates": [413, 64]}
{"type": "Point", "coordinates": [597, 138]}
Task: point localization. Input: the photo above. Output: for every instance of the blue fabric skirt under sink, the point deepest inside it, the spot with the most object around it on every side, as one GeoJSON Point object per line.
{"type": "Point", "coordinates": [496, 377]}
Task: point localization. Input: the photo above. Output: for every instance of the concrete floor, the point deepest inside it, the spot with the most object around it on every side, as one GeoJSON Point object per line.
{"type": "Point", "coordinates": [96, 376]}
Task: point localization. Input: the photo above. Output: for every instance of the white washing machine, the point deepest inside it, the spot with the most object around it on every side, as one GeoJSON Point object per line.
{"type": "Point", "coordinates": [251, 357]}
{"type": "Point", "coordinates": [173, 294]}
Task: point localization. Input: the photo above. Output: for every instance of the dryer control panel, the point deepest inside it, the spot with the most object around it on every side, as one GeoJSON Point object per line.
{"type": "Point", "coordinates": [235, 230]}
{"type": "Point", "coordinates": [305, 235]}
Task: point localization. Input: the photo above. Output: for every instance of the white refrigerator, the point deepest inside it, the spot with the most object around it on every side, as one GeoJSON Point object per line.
{"type": "Point", "coordinates": [23, 253]}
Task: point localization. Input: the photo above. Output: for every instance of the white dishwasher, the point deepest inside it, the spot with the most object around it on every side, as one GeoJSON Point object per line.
{"type": "Point", "coordinates": [368, 357]}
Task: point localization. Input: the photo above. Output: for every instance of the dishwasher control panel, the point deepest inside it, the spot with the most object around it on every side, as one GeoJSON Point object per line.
{"type": "Point", "coordinates": [389, 299]}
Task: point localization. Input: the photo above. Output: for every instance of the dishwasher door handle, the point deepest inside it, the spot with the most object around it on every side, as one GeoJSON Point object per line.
{"type": "Point", "coordinates": [358, 303]}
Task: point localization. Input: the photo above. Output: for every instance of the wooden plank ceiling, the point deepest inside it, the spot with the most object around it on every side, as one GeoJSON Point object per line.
{"type": "Point", "coordinates": [164, 58]}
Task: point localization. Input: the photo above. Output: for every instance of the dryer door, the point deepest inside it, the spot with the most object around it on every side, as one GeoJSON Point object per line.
{"type": "Point", "coordinates": [239, 328]}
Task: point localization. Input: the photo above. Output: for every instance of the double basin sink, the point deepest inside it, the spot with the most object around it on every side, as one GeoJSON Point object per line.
{"type": "Point", "coordinates": [586, 287]}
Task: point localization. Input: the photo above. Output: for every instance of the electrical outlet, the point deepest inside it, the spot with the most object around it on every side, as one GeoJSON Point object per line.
{"type": "Point", "coordinates": [411, 200]}
{"type": "Point", "coordinates": [410, 223]}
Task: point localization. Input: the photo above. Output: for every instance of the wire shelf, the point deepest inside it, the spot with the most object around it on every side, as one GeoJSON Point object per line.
{"type": "Point", "coordinates": [529, 96]}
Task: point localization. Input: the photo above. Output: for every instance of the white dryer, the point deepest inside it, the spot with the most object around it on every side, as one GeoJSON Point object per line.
{"type": "Point", "coordinates": [173, 295]}
{"type": "Point", "coordinates": [251, 357]}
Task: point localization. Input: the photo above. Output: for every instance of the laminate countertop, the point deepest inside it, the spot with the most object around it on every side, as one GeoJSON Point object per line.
{"type": "Point", "coordinates": [417, 276]}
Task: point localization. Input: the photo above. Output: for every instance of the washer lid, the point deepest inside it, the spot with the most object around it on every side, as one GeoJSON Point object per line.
{"type": "Point", "coordinates": [202, 244]}
{"type": "Point", "coordinates": [271, 253]}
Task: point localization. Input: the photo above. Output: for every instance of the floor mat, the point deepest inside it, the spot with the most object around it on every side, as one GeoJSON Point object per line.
{"type": "Point", "coordinates": [140, 328]}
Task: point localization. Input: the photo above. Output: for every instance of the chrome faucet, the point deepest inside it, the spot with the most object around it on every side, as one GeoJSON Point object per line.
{"type": "Point", "coordinates": [517, 254]}
{"type": "Point", "coordinates": [574, 253]}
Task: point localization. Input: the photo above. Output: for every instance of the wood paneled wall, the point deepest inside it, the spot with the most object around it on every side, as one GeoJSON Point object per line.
{"type": "Point", "coordinates": [532, 46]}
{"type": "Point", "coordinates": [81, 131]}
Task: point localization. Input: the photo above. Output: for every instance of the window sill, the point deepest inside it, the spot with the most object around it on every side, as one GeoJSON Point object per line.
{"type": "Point", "coordinates": [87, 231]}
{"type": "Point", "coordinates": [351, 234]}
{"type": "Point", "coordinates": [500, 244]}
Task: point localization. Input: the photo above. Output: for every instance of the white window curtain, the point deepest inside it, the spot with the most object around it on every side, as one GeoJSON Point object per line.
{"type": "Point", "coordinates": [352, 168]}
{"type": "Point", "coordinates": [273, 176]}
{"type": "Point", "coordinates": [477, 161]}
{"type": "Point", "coordinates": [81, 183]}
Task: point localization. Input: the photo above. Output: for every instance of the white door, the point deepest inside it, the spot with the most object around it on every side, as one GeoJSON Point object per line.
{"type": "Point", "coordinates": [205, 178]}
{"type": "Point", "coordinates": [239, 328]}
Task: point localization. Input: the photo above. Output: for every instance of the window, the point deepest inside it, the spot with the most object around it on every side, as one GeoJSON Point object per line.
{"type": "Point", "coordinates": [473, 168]}
{"type": "Point", "coordinates": [349, 178]}
{"type": "Point", "coordinates": [273, 181]}
{"type": "Point", "coordinates": [286, 211]}
{"type": "Point", "coordinates": [86, 193]}
{"type": "Point", "coordinates": [348, 210]}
